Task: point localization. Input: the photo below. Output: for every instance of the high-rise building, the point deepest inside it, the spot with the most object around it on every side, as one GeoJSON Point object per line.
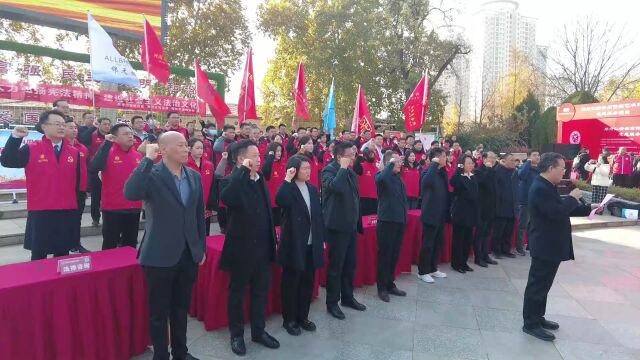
{"type": "Point", "coordinates": [455, 80]}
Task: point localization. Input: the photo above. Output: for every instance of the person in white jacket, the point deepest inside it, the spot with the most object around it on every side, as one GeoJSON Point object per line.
{"type": "Point", "coordinates": [600, 180]}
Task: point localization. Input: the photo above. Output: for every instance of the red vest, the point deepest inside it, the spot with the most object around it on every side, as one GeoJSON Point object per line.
{"type": "Point", "coordinates": [96, 142]}
{"type": "Point", "coordinates": [51, 183]}
{"type": "Point", "coordinates": [84, 158]}
{"type": "Point", "coordinates": [411, 179]}
{"type": "Point", "coordinates": [219, 155]}
{"type": "Point", "coordinates": [367, 181]}
{"type": "Point", "coordinates": [181, 130]}
{"type": "Point", "coordinates": [208, 150]}
{"type": "Point", "coordinates": [120, 165]}
{"type": "Point", "coordinates": [136, 142]}
{"type": "Point", "coordinates": [278, 172]}
{"type": "Point", "coordinates": [206, 175]}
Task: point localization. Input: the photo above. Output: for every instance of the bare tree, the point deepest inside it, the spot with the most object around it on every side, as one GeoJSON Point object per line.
{"type": "Point", "coordinates": [588, 56]}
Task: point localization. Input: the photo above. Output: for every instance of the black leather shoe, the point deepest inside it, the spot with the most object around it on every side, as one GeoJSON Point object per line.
{"type": "Point", "coordinates": [467, 268]}
{"type": "Point", "coordinates": [481, 263]}
{"type": "Point", "coordinates": [335, 311]}
{"type": "Point", "coordinates": [497, 256]}
{"type": "Point", "coordinates": [510, 255]}
{"type": "Point", "coordinates": [489, 260]}
{"type": "Point", "coordinates": [383, 295]}
{"type": "Point", "coordinates": [540, 333]}
{"type": "Point", "coordinates": [267, 340]}
{"type": "Point", "coordinates": [397, 292]}
{"type": "Point", "coordinates": [237, 346]}
{"type": "Point", "coordinates": [549, 325]}
{"type": "Point", "coordinates": [292, 328]}
{"type": "Point", "coordinates": [460, 270]}
{"type": "Point", "coordinates": [307, 325]}
{"type": "Point", "coordinates": [355, 305]}
{"type": "Point", "coordinates": [188, 357]}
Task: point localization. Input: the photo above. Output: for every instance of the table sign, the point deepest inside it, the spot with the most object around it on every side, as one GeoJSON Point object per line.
{"type": "Point", "coordinates": [74, 265]}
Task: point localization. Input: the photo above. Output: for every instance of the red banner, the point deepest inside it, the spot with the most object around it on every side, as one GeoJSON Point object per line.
{"type": "Point", "coordinates": [597, 134]}
{"type": "Point", "coordinates": [104, 99]}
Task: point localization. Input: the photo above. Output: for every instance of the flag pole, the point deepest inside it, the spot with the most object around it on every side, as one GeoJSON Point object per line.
{"type": "Point", "coordinates": [93, 90]}
{"type": "Point", "coordinates": [146, 59]}
{"type": "Point", "coordinates": [246, 87]}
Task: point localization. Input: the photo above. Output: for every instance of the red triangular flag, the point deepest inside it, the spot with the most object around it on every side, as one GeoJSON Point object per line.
{"type": "Point", "coordinates": [415, 110]}
{"type": "Point", "coordinates": [247, 101]}
{"type": "Point", "coordinates": [153, 55]}
{"type": "Point", "coordinates": [361, 117]}
{"type": "Point", "coordinates": [300, 95]}
{"type": "Point", "coordinates": [210, 96]}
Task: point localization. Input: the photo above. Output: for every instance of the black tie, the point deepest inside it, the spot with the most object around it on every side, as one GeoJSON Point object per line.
{"type": "Point", "coordinates": [57, 150]}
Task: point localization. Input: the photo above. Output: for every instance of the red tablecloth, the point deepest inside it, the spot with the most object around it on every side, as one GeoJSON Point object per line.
{"type": "Point", "coordinates": [209, 298]}
{"type": "Point", "coordinates": [98, 314]}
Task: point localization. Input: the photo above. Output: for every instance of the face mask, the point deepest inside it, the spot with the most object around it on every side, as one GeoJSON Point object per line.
{"type": "Point", "coordinates": [212, 132]}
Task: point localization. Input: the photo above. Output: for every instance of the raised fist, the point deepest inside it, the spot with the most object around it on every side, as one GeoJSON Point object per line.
{"type": "Point", "coordinates": [291, 173]}
{"type": "Point", "coordinates": [110, 137]}
{"type": "Point", "coordinates": [225, 155]}
{"type": "Point", "coordinates": [345, 162]}
{"type": "Point", "coordinates": [248, 163]}
{"type": "Point", "coordinates": [152, 151]}
{"type": "Point", "coordinates": [20, 132]}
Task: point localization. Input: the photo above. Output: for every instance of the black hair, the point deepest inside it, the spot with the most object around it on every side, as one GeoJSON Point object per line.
{"type": "Point", "coordinates": [409, 136]}
{"type": "Point", "coordinates": [532, 151]}
{"type": "Point", "coordinates": [344, 132]}
{"type": "Point", "coordinates": [435, 152]}
{"type": "Point", "coordinates": [270, 127]}
{"type": "Point", "coordinates": [314, 128]}
{"type": "Point", "coordinates": [44, 116]}
{"type": "Point", "coordinates": [171, 113]}
{"type": "Point", "coordinates": [340, 147]}
{"type": "Point", "coordinates": [296, 163]}
{"type": "Point", "coordinates": [387, 157]}
{"type": "Point", "coordinates": [100, 120]}
{"type": "Point", "coordinates": [549, 160]}
{"type": "Point", "coordinates": [148, 116]}
{"type": "Point", "coordinates": [68, 119]}
{"type": "Point", "coordinates": [378, 135]}
{"type": "Point", "coordinates": [134, 117]}
{"type": "Point", "coordinates": [86, 113]}
{"type": "Point", "coordinates": [301, 128]}
{"type": "Point", "coordinates": [303, 140]}
{"type": "Point", "coordinates": [463, 158]}
{"type": "Point", "coordinates": [505, 156]}
{"type": "Point", "coordinates": [192, 141]}
{"type": "Point", "coordinates": [55, 103]}
{"type": "Point", "coordinates": [240, 148]}
{"type": "Point", "coordinates": [435, 142]}
{"type": "Point", "coordinates": [406, 164]}
{"type": "Point", "coordinates": [274, 146]}
{"type": "Point", "coordinates": [281, 125]}
{"type": "Point", "coordinates": [227, 127]}
{"type": "Point", "coordinates": [116, 127]}
{"type": "Point", "coordinates": [245, 124]}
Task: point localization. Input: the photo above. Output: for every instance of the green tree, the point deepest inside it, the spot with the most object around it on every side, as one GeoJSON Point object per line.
{"type": "Point", "coordinates": [525, 116]}
{"type": "Point", "coordinates": [546, 129]}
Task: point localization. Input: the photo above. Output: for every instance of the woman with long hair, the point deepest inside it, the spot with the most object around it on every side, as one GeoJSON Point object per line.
{"type": "Point", "coordinates": [421, 154]}
{"type": "Point", "coordinates": [306, 148]}
{"type": "Point", "coordinates": [600, 178]}
{"type": "Point", "coordinates": [410, 173]}
{"type": "Point", "coordinates": [274, 171]}
{"type": "Point", "coordinates": [465, 212]}
{"type": "Point", "coordinates": [366, 168]}
{"type": "Point", "coordinates": [205, 167]}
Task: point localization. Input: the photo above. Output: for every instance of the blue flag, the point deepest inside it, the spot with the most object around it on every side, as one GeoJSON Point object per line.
{"type": "Point", "coordinates": [329, 114]}
{"type": "Point", "coordinates": [106, 62]}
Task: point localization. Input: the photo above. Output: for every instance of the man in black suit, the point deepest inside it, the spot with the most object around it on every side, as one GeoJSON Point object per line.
{"type": "Point", "coordinates": [435, 190]}
{"type": "Point", "coordinates": [506, 206]}
{"type": "Point", "coordinates": [487, 189]}
{"type": "Point", "coordinates": [342, 220]}
{"type": "Point", "coordinates": [174, 239]}
{"type": "Point", "coordinates": [392, 219]}
{"type": "Point", "coordinates": [549, 241]}
{"type": "Point", "coordinates": [250, 245]}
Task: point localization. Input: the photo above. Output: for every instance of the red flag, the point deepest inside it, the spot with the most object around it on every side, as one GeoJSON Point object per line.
{"type": "Point", "coordinates": [210, 96]}
{"type": "Point", "coordinates": [300, 95]}
{"type": "Point", "coordinates": [361, 117]}
{"type": "Point", "coordinates": [153, 55]}
{"type": "Point", "coordinates": [415, 110]}
{"type": "Point", "coordinates": [247, 101]}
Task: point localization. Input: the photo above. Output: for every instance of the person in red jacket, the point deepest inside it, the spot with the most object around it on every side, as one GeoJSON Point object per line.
{"type": "Point", "coordinates": [366, 168]}
{"type": "Point", "coordinates": [410, 173]}
{"type": "Point", "coordinates": [205, 168]}
{"type": "Point", "coordinates": [139, 133]}
{"type": "Point", "coordinates": [116, 159]}
{"type": "Point", "coordinates": [52, 170]}
{"type": "Point", "coordinates": [71, 134]}
{"type": "Point", "coordinates": [306, 149]}
{"type": "Point", "coordinates": [274, 171]}
{"type": "Point", "coordinates": [622, 168]}
{"type": "Point", "coordinates": [173, 124]}
{"type": "Point", "coordinates": [93, 140]}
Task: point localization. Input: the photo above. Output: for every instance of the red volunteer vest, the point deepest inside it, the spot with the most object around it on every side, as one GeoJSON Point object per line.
{"type": "Point", "coordinates": [206, 175]}
{"type": "Point", "coordinates": [367, 181]}
{"type": "Point", "coordinates": [120, 165]}
{"type": "Point", "coordinates": [278, 172]}
{"type": "Point", "coordinates": [411, 179]}
{"type": "Point", "coordinates": [51, 183]}
{"type": "Point", "coordinates": [96, 142]}
{"type": "Point", "coordinates": [84, 157]}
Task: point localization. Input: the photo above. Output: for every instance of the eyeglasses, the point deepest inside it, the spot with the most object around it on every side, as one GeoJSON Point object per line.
{"type": "Point", "coordinates": [56, 124]}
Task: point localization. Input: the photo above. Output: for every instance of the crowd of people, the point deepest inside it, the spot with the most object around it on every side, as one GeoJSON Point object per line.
{"type": "Point", "coordinates": [314, 188]}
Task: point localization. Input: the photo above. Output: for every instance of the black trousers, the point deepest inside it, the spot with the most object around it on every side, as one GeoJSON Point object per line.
{"type": "Point", "coordinates": [40, 256]}
{"type": "Point", "coordinates": [623, 180]}
{"type": "Point", "coordinates": [169, 290]}
{"type": "Point", "coordinates": [461, 245]}
{"type": "Point", "coordinates": [297, 290]}
{"type": "Point", "coordinates": [207, 224]}
{"type": "Point", "coordinates": [432, 240]}
{"type": "Point", "coordinates": [502, 235]}
{"type": "Point", "coordinates": [541, 276]}
{"type": "Point", "coordinates": [259, 274]}
{"type": "Point", "coordinates": [390, 236]}
{"type": "Point", "coordinates": [95, 185]}
{"type": "Point", "coordinates": [481, 240]}
{"type": "Point", "coordinates": [222, 218]}
{"type": "Point", "coordinates": [343, 257]}
{"type": "Point", "coordinates": [82, 202]}
{"type": "Point", "coordinates": [120, 229]}
{"type": "Point", "coordinates": [368, 206]}
{"type": "Point", "coordinates": [276, 214]}
{"type": "Point", "coordinates": [523, 224]}
{"type": "Point", "coordinates": [414, 203]}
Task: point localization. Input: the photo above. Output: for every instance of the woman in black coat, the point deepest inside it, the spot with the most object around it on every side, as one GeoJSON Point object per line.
{"type": "Point", "coordinates": [301, 244]}
{"type": "Point", "coordinates": [465, 212]}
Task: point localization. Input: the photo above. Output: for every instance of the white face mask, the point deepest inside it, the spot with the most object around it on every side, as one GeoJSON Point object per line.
{"type": "Point", "coordinates": [212, 132]}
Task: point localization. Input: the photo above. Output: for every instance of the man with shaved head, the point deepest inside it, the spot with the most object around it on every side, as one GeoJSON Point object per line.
{"type": "Point", "coordinates": [174, 239]}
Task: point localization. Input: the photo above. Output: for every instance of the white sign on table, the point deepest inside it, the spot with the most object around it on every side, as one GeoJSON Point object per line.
{"type": "Point", "coordinates": [74, 265]}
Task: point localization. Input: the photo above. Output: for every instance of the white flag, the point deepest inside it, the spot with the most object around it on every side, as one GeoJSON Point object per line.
{"type": "Point", "coordinates": [106, 62]}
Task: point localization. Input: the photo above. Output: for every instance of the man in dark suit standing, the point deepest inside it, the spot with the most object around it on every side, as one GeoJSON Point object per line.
{"type": "Point", "coordinates": [487, 190]}
{"type": "Point", "coordinates": [392, 219]}
{"type": "Point", "coordinates": [174, 239]}
{"type": "Point", "coordinates": [250, 245]}
{"type": "Point", "coordinates": [435, 190]}
{"type": "Point", "coordinates": [549, 241]}
{"type": "Point", "coordinates": [506, 206]}
{"type": "Point", "coordinates": [342, 220]}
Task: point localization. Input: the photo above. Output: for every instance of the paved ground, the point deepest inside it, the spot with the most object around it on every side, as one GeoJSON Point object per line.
{"type": "Point", "coordinates": [596, 300]}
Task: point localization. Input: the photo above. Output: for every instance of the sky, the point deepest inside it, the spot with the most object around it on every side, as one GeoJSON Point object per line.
{"type": "Point", "coordinates": [551, 16]}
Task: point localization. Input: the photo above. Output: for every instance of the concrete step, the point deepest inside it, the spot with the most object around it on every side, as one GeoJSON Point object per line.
{"type": "Point", "coordinates": [599, 222]}
{"type": "Point", "coordinates": [8, 196]}
{"type": "Point", "coordinates": [16, 211]}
